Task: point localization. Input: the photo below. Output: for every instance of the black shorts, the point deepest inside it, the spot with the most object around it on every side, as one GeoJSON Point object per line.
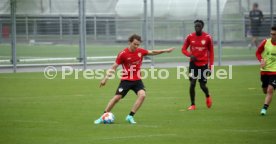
{"type": "Point", "coordinates": [255, 29]}
{"type": "Point", "coordinates": [198, 72]}
{"type": "Point", "coordinates": [126, 85]}
{"type": "Point", "coordinates": [268, 80]}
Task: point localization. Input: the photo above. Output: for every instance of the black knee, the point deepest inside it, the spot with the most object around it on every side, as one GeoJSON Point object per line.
{"type": "Point", "coordinates": [203, 85]}
{"type": "Point", "coordinates": [192, 83]}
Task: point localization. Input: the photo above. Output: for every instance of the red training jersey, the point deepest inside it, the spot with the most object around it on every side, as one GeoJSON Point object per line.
{"type": "Point", "coordinates": [201, 47]}
{"type": "Point", "coordinates": [259, 52]}
{"type": "Point", "coordinates": [131, 63]}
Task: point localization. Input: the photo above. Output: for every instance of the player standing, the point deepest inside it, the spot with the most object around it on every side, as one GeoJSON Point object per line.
{"type": "Point", "coordinates": [131, 60]}
{"type": "Point", "coordinates": [266, 54]}
{"type": "Point", "coordinates": [201, 53]}
{"type": "Point", "coordinates": [256, 18]}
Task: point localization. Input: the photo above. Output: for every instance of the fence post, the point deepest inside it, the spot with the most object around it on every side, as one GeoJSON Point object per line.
{"type": "Point", "coordinates": [82, 32]}
{"type": "Point", "coordinates": [1, 33]}
{"type": "Point", "coordinates": [27, 27]}
{"type": "Point", "coordinates": [219, 33]}
{"type": "Point", "coordinates": [13, 34]}
{"type": "Point", "coordinates": [60, 27]}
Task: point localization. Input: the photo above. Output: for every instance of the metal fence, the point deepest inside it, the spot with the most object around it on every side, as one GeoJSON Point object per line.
{"type": "Point", "coordinates": [55, 38]}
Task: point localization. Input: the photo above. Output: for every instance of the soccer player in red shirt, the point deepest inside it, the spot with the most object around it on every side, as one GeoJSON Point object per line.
{"type": "Point", "coordinates": [201, 54]}
{"type": "Point", "coordinates": [266, 54]}
{"type": "Point", "coordinates": [131, 60]}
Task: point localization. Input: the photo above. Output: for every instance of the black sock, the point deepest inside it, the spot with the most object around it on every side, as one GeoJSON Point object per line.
{"type": "Point", "coordinates": [265, 106]}
{"type": "Point", "coordinates": [132, 113]}
{"type": "Point", "coordinates": [192, 93]}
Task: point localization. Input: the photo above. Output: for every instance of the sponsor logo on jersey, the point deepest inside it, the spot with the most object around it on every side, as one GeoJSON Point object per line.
{"type": "Point", "coordinates": [203, 42]}
{"type": "Point", "coordinates": [139, 54]}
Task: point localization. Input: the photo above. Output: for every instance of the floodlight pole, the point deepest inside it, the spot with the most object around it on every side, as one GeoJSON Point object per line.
{"type": "Point", "coordinates": [152, 29]}
{"type": "Point", "coordinates": [271, 13]}
{"type": "Point", "coordinates": [146, 25]}
{"type": "Point", "coordinates": [13, 34]}
{"type": "Point", "coordinates": [209, 15]}
{"type": "Point", "coordinates": [218, 34]}
{"type": "Point", "coordinates": [82, 33]}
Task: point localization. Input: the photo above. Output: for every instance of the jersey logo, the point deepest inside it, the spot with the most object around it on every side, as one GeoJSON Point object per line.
{"type": "Point", "coordinates": [120, 89]}
{"type": "Point", "coordinates": [139, 54]}
{"type": "Point", "coordinates": [203, 42]}
{"type": "Point", "coordinates": [274, 82]}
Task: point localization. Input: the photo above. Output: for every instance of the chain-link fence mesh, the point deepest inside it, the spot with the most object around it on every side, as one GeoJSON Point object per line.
{"type": "Point", "coordinates": [48, 30]}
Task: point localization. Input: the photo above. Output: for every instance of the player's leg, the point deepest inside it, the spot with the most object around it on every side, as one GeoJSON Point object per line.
{"type": "Point", "coordinates": [268, 99]}
{"type": "Point", "coordinates": [257, 34]}
{"type": "Point", "coordinates": [141, 95]}
{"type": "Point", "coordinates": [192, 90]}
{"type": "Point", "coordinates": [269, 93]}
{"type": "Point", "coordinates": [139, 89]}
{"type": "Point", "coordinates": [112, 102]}
{"type": "Point", "coordinates": [205, 89]}
{"type": "Point", "coordinates": [193, 73]}
{"type": "Point", "coordinates": [203, 85]}
{"type": "Point", "coordinates": [265, 90]}
{"type": "Point", "coordinates": [109, 107]}
{"type": "Point", "coordinates": [254, 32]}
{"type": "Point", "coordinates": [255, 41]}
{"type": "Point", "coordinates": [138, 103]}
{"type": "Point", "coordinates": [121, 91]}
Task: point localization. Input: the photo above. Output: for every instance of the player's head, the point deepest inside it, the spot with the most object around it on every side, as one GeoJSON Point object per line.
{"type": "Point", "coordinates": [134, 37]}
{"type": "Point", "coordinates": [134, 41]}
{"type": "Point", "coordinates": [273, 33]}
{"type": "Point", "coordinates": [255, 5]}
{"type": "Point", "coordinates": [199, 24]}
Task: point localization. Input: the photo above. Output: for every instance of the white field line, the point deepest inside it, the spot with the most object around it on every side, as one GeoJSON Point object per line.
{"type": "Point", "coordinates": [33, 121]}
{"type": "Point", "coordinates": [33, 59]}
{"type": "Point", "coordinates": [35, 97]}
{"type": "Point", "coordinates": [137, 136]}
{"type": "Point", "coordinates": [223, 56]}
{"type": "Point", "coordinates": [252, 131]}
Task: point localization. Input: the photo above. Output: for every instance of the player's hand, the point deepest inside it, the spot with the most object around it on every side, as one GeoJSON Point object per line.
{"type": "Point", "coordinates": [170, 50]}
{"type": "Point", "coordinates": [103, 82]}
{"type": "Point", "coordinates": [208, 73]}
{"type": "Point", "coordinates": [193, 58]}
{"type": "Point", "coordinates": [262, 63]}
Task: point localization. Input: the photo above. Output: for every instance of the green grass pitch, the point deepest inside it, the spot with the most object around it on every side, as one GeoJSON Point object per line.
{"type": "Point", "coordinates": [63, 51]}
{"type": "Point", "coordinates": [35, 110]}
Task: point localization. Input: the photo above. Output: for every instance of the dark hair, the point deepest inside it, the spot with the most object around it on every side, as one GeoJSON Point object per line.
{"type": "Point", "coordinates": [255, 5]}
{"type": "Point", "coordinates": [133, 37]}
{"type": "Point", "coordinates": [199, 21]}
{"type": "Point", "coordinates": [273, 28]}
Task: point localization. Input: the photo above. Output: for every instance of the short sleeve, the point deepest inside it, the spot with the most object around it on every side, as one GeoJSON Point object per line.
{"type": "Point", "coordinates": [119, 59]}
{"type": "Point", "coordinates": [144, 51]}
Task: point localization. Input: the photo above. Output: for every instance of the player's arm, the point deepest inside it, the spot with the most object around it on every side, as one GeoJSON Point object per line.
{"type": "Point", "coordinates": [185, 46]}
{"type": "Point", "coordinates": [211, 53]}
{"type": "Point", "coordinates": [157, 52]}
{"type": "Point", "coordinates": [109, 73]}
{"type": "Point", "coordinates": [262, 16]}
{"type": "Point", "coordinates": [259, 52]}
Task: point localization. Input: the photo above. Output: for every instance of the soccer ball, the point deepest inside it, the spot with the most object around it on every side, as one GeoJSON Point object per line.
{"type": "Point", "coordinates": [108, 118]}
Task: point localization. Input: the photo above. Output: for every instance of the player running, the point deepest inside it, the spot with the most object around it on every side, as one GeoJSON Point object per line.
{"type": "Point", "coordinates": [131, 60]}
{"type": "Point", "coordinates": [201, 53]}
{"type": "Point", "coordinates": [266, 54]}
